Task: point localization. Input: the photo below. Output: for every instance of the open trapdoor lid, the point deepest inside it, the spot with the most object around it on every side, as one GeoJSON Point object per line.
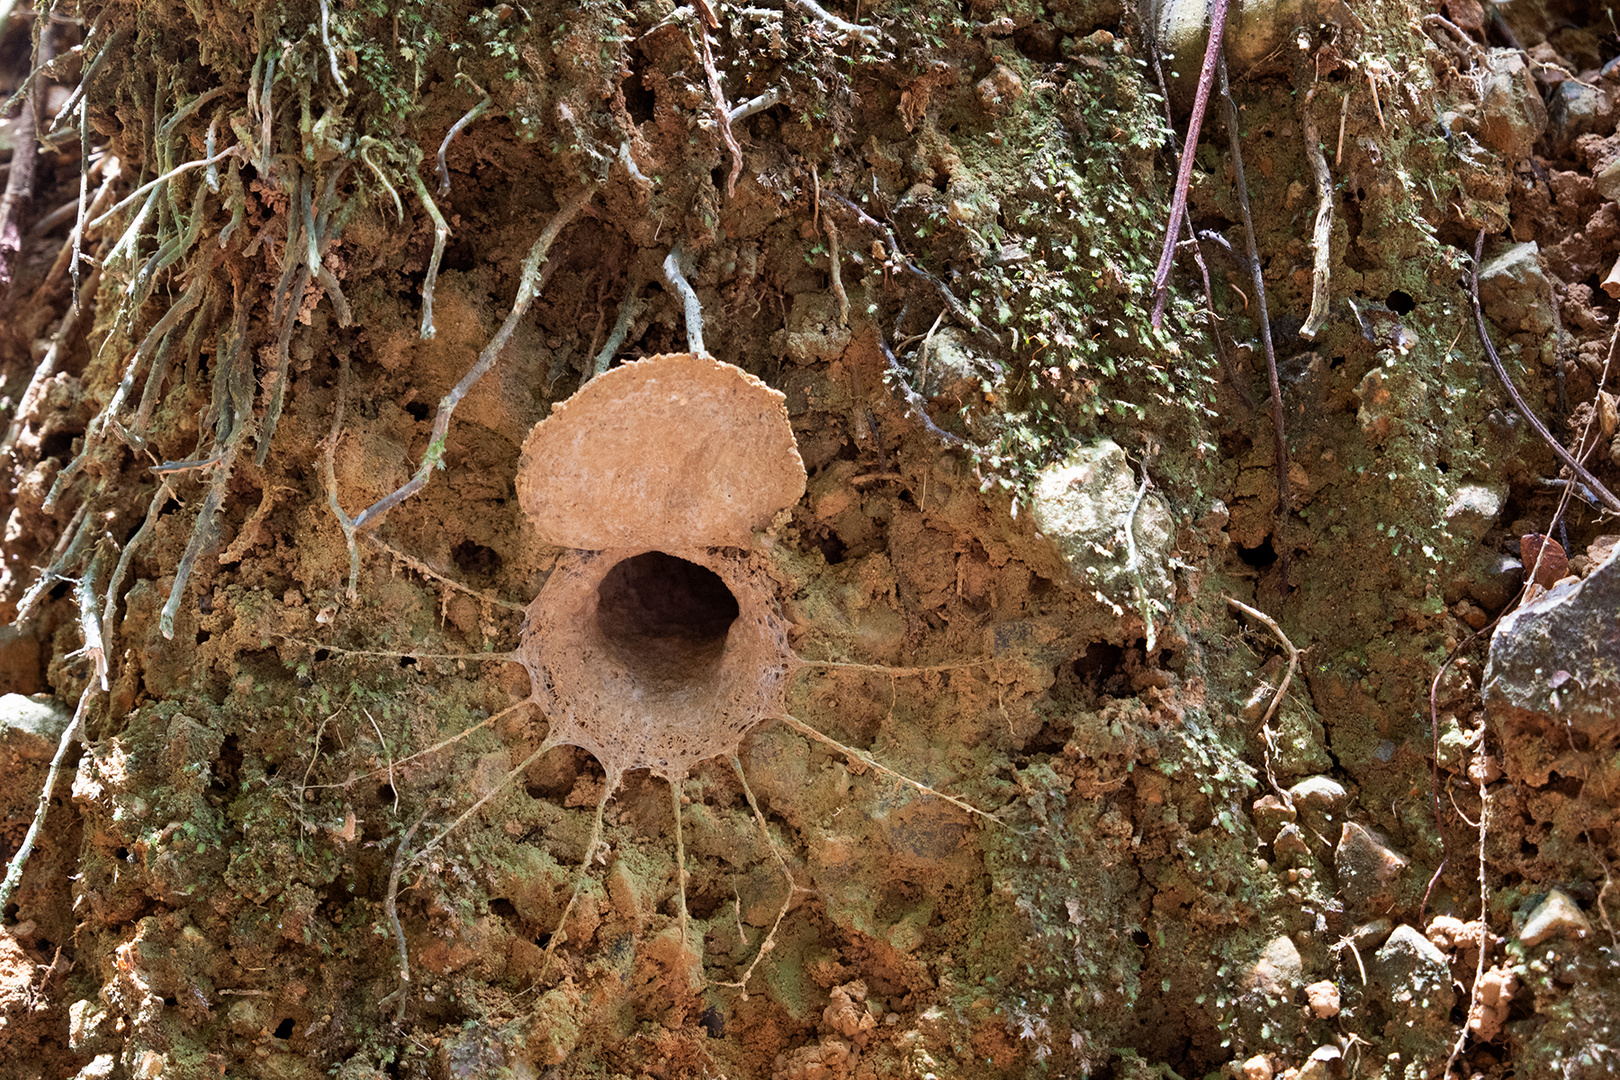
{"type": "Point", "coordinates": [675, 451]}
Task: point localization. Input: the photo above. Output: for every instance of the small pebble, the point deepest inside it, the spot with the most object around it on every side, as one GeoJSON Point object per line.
{"type": "Point", "coordinates": [1323, 998]}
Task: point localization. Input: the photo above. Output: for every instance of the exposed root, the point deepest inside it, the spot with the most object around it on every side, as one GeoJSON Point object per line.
{"type": "Point", "coordinates": [630, 308]}
{"type": "Point", "coordinates": [787, 875]}
{"type": "Point", "coordinates": [495, 789]}
{"type": "Point", "coordinates": [897, 376]}
{"type": "Point", "coordinates": [109, 609]}
{"type": "Point", "coordinates": [1189, 149]}
{"type": "Point", "coordinates": [1484, 928]}
{"type": "Point", "coordinates": [435, 748]}
{"type": "Point", "coordinates": [147, 188]}
{"type": "Point", "coordinates": [90, 621]}
{"type": "Point", "coordinates": [1282, 688]}
{"type": "Point", "coordinates": [722, 113]}
{"type": "Point", "coordinates": [418, 566]}
{"type": "Point", "coordinates": [1234, 130]}
{"type": "Point", "coordinates": [87, 79]}
{"type": "Point", "coordinates": [391, 909]}
{"type": "Point", "coordinates": [1321, 292]}
{"type": "Point", "coordinates": [561, 934]}
{"type": "Point", "coordinates": [29, 402]}
{"type": "Point", "coordinates": [1133, 560]}
{"type": "Point", "coordinates": [872, 763]}
{"type": "Point", "coordinates": [331, 53]}
{"type": "Point", "coordinates": [867, 35]}
{"type": "Point", "coordinates": [20, 181]}
{"type": "Point", "coordinates": [455, 129]}
{"type": "Point", "coordinates": [958, 309]}
{"type": "Point", "coordinates": [689, 300]}
{"type": "Point", "coordinates": [836, 273]}
{"type": "Point", "coordinates": [528, 286]}
{"type": "Point", "coordinates": [68, 549]}
{"type": "Point", "coordinates": [71, 735]}
{"type": "Point", "coordinates": [756, 105]}
{"type": "Point", "coordinates": [203, 534]}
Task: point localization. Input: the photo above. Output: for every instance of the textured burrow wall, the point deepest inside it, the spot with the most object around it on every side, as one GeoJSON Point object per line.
{"type": "Point", "coordinates": [1137, 875]}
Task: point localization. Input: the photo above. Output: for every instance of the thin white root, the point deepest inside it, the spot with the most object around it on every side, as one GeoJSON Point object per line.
{"type": "Point", "coordinates": [787, 875]}
{"type": "Point", "coordinates": [441, 233]}
{"type": "Point", "coordinates": [560, 934]}
{"type": "Point", "coordinates": [680, 858]}
{"type": "Point", "coordinates": [1484, 924]}
{"type": "Point", "coordinates": [528, 288]}
{"type": "Point", "coordinates": [147, 187]}
{"type": "Point", "coordinates": [331, 53]}
{"type": "Point", "coordinates": [391, 909]}
{"type": "Point", "coordinates": [455, 129]}
{"type": "Point", "coordinates": [872, 763]}
{"type": "Point", "coordinates": [329, 466]}
{"type": "Point", "coordinates": [629, 309]}
{"type": "Point", "coordinates": [495, 789]}
{"type": "Point", "coordinates": [837, 272]}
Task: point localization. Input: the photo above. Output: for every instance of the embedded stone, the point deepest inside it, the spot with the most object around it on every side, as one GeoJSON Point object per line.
{"type": "Point", "coordinates": [1370, 935]}
{"type": "Point", "coordinates": [1514, 292]}
{"type": "Point", "coordinates": [1474, 508]}
{"type": "Point", "coordinates": [1512, 116]}
{"type": "Point", "coordinates": [1319, 793]}
{"type": "Point", "coordinates": [1409, 963]}
{"type": "Point", "coordinates": [1086, 505]}
{"type": "Point", "coordinates": [1278, 970]}
{"type": "Point", "coordinates": [1270, 815]}
{"type": "Point", "coordinates": [1555, 662]}
{"type": "Point", "coordinates": [1367, 865]}
{"type": "Point", "coordinates": [1325, 1063]}
{"type": "Point", "coordinates": [1555, 915]}
{"type": "Point", "coordinates": [30, 727]}
{"type": "Point", "coordinates": [1257, 1068]}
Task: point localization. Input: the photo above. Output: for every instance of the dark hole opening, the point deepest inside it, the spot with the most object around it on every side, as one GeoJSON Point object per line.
{"type": "Point", "coordinates": [664, 619]}
{"type": "Point", "coordinates": [1401, 303]}
{"type": "Point", "coordinates": [476, 559]}
{"type": "Point", "coordinates": [1260, 556]}
{"type": "Point", "coordinates": [284, 1029]}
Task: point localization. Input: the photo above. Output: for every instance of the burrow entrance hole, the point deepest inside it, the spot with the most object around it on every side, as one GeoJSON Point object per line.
{"type": "Point", "coordinates": [665, 619]}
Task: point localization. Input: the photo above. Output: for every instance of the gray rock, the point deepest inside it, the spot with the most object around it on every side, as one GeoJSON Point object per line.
{"type": "Point", "coordinates": [1555, 915]}
{"type": "Point", "coordinates": [1555, 662]}
{"type": "Point", "coordinates": [1368, 867]}
{"type": "Point", "coordinates": [1514, 291]}
{"type": "Point", "coordinates": [1512, 116]}
{"type": "Point", "coordinates": [1490, 579]}
{"type": "Point", "coordinates": [1474, 508]}
{"type": "Point", "coordinates": [1290, 844]}
{"type": "Point", "coordinates": [1319, 792]}
{"type": "Point", "coordinates": [1083, 505]}
{"type": "Point", "coordinates": [31, 727]}
{"type": "Point", "coordinates": [1575, 109]}
{"type": "Point", "coordinates": [1410, 964]}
